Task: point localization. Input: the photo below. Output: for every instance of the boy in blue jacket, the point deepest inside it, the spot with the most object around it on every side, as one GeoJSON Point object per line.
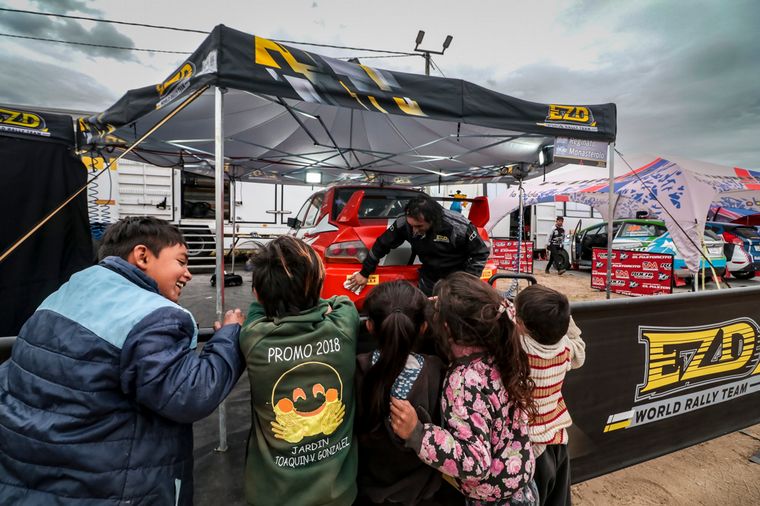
{"type": "Point", "coordinates": [104, 383]}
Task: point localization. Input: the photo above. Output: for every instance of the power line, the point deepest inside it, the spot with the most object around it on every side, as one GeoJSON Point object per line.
{"type": "Point", "coordinates": [166, 51]}
{"type": "Point", "coordinates": [190, 30]}
{"type": "Point", "coordinates": [68, 16]}
{"type": "Point", "coordinates": [379, 56]}
{"type": "Point", "coordinates": [92, 45]}
{"type": "Point", "coordinates": [345, 47]}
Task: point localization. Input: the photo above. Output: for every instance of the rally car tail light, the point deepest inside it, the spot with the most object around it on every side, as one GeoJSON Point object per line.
{"type": "Point", "coordinates": [729, 237]}
{"type": "Point", "coordinates": [346, 252]}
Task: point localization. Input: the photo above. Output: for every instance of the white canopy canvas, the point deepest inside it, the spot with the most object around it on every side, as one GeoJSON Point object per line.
{"type": "Point", "coordinates": [676, 190]}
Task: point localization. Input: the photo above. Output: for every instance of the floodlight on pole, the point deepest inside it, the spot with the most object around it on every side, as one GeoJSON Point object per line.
{"type": "Point", "coordinates": [313, 177]}
{"type": "Point", "coordinates": [545, 155]}
{"type": "Point", "coordinates": [420, 36]}
{"type": "Point", "coordinates": [427, 52]}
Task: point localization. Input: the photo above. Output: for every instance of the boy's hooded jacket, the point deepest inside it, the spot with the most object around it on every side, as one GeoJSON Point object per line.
{"type": "Point", "coordinates": [301, 368]}
{"type": "Point", "coordinates": [101, 391]}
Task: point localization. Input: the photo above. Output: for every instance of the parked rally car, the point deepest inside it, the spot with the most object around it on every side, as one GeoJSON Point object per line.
{"type": "Point", "coordinates": [342, 223]}
{"type": "Point", "coordinates": [742, 248]}
{"type": "Point", "coordinates": [643, 235]}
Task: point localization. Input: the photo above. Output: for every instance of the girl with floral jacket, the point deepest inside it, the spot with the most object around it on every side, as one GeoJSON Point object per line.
{"type": "Point", "coordinates": [486, 401]}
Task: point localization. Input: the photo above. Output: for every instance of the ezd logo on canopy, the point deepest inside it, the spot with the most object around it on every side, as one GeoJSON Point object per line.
{"type": "Point", "coordinates": [17, 121]}
{"type": "Point", "coordinates": [689, 368]}
{"type": "Point", "coordinates": [573, 117]}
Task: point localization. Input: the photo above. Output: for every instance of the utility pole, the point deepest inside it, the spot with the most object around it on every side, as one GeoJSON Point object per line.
{"type": "Point", "coordinates": [427, 52]}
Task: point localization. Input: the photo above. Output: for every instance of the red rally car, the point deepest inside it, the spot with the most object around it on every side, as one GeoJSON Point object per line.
{"type": "Point", "coordinates": [342, 223]}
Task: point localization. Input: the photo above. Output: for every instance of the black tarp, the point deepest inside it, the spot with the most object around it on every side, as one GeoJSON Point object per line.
{"type": "Point", "coordinates": [288, 111]}
{"type": "Point", "coordinates": [38, 172]}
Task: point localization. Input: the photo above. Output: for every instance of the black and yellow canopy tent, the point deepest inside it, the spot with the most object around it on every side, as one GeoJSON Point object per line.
{"type": "Point", "coordinates": [263, 111]}
{"type": "Point", "coordinates": [287, 112]}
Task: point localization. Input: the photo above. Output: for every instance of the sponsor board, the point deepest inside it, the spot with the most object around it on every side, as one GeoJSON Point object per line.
{"type": "Point", "coordinates": [690, 368]}
{"type": "Point", "coordinates": [661, 377]}
{"type": "Point", "coordinates": [634, 273]}
{"type": "Point", "coordinates": [505, 255]}
{"type": "Point", "coordinates": [580, 151]}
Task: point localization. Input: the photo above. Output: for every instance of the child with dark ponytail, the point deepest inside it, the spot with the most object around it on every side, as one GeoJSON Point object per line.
{"type": "Point", "coordinates": [388, 472]}
{"type": "Point", "coordinates": [483, 442]}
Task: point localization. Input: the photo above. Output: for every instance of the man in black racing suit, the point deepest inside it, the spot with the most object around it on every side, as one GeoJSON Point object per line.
{"type": "Point", "coordinates": [556, 240]}
{"type": "Point", "coordinates": [444, 241]}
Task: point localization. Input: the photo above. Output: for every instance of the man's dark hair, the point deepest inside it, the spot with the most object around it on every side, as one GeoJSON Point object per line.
{"type": "Point", "coordinates": [287, 276]}
{"type": "Point", "coordinates": [427, 208]}
{"type": "Point", "coordinates": [122, 237]}
{"type": "Point", "coordinates": [545, 313]}
{"type": "Point", "coordinates": [561, 218]}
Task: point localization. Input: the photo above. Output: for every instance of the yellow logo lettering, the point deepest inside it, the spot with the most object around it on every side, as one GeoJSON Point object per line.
{"type": "Point", "coordinates": [184, 73]}
{"type": "Point", "coordinates": [20, 118]}
{"type": "Point", "coordinates": [680, 358]}
{"type": "Point", "coordinates": [570, 113]}
{"type": "Point", "coordinates": [263, 49]}
{"type": "Point", "coordinates": [409, 106]}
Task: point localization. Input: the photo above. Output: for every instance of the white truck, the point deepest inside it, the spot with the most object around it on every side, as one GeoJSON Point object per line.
{"type": "Point", "coordinates": [186, 199]}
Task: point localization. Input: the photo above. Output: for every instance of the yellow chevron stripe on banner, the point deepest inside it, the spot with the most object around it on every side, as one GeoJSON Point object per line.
{"type": "Point", "coordinates": [617, 425]}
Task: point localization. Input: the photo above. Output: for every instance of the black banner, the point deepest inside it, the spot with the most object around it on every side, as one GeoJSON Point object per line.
{"type": "Point", "coordinates": [662, 373]}
{"type": "Point", "coordinates": [28, 124]}
{"type": "Point", "coordinates": [36, 178]}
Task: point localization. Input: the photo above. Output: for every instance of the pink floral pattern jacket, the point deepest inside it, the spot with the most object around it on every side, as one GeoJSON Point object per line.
{"type": "Point", "coordinates": [484, 443]}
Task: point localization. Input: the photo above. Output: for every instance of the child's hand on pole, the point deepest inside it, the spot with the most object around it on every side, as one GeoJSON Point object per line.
{"type": "Point", "coordinates": [231, 317]}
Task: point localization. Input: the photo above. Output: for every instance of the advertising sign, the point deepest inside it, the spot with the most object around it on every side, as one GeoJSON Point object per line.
{"type": "Point", "coordinates": [634, 273]}
{"type": "Point", "coordinates": [661, 373]}
{"type": "Point", "coordinates": [580, 151]}
{"type": "Point", "coordinates": [505, 254]}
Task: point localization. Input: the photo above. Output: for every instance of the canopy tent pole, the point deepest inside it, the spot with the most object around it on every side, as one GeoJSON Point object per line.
{"type": "Point", "coordinates": [233, 198]}
{"type": "Point", "coordinates": [219, 218]}
{"type": "Point", "coordinates": [520, 225]}
{"type": "Point", "coordinates": [610, 212]}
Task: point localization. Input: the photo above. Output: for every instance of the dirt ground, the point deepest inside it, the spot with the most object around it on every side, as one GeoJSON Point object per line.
{"type": "Point", "coordinates": [717, 472]}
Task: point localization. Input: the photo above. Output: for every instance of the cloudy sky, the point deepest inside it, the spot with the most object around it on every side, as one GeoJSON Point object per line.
{"type": "Point", "coordinates": [685, 75]}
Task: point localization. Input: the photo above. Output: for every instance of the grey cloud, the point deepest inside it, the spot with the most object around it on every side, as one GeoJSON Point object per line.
{"type": "Point", "coordinates": [66, 6]}
{"type": "Point", "coordinates": [688, 87]}
{"type": "Point", "coordinates": [34, 83]}
{"type": "Point", "coordinates": [73, 31]}
{"type": "Point", "coordinates": [659, 111]}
